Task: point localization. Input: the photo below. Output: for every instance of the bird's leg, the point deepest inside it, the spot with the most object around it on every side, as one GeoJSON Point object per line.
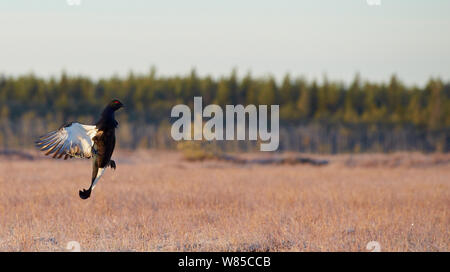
{"type": "Point", "coordinates": [112, 164]}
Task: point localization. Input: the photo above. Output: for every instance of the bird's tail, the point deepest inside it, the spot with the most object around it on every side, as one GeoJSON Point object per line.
{"type": "Point", "coordinates": [96, 175]}
{"type": "Point", "coordinates": [85, 194]}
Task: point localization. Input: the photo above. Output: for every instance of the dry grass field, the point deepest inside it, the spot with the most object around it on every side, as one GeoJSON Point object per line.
{"type": "Point", "coordinates": [156, 201]}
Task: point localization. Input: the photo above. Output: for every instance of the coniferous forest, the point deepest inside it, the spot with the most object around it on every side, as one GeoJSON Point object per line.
{"type": "Point", "coordinates": [319, 116]}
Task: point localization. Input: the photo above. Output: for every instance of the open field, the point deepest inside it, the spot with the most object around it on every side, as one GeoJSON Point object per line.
{"type": "Point", "coordinates": [155, 201]}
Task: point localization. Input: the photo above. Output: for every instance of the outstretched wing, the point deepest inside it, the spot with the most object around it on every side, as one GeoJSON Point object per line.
{"type": "Point", "coordinates": [72, 140]}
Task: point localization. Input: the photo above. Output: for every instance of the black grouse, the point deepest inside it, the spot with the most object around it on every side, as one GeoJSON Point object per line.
{"type": "Point", "coordinates": [86, 141]}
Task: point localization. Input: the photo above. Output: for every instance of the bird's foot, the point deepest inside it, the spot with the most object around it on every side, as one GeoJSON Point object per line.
{"type": "Point", "coordinates": [112, 164]}
{"type": "Point", "coordinates": [85, 194]}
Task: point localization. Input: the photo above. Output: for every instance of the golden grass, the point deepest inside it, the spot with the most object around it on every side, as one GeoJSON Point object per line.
{"type": "Point", "coordinates": [155, 201]}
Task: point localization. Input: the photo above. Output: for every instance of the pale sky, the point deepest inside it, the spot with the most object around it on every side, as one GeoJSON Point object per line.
{"type": "Point", "coordinates": [339, 38]}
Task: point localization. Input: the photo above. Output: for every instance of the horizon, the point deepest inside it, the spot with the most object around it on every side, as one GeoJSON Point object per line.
{"type": "Point", "coordinates": [239, 76]}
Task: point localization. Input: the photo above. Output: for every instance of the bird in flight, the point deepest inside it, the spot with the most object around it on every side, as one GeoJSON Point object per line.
{"type": "Point", "coordinates": [85, 141]}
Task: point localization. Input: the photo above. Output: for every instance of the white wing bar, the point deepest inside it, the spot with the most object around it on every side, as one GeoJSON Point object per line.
{"type": "Point", "coordinates": [72, 140]}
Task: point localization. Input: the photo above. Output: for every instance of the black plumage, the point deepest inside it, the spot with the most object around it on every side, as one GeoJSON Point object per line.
{"type": "Point", "coordinates": [86, 141]}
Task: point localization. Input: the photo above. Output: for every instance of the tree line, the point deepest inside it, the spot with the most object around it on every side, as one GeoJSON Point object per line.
{"type": "Point", "coordinates": [315, 115]}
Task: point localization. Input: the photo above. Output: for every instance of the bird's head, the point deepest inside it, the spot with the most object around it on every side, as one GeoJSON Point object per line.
{"type": "Point", "coordinates": [115, 104]}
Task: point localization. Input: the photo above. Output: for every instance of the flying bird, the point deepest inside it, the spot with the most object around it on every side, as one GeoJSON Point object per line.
{"type": "Point", "coordinates": [94, 142]}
